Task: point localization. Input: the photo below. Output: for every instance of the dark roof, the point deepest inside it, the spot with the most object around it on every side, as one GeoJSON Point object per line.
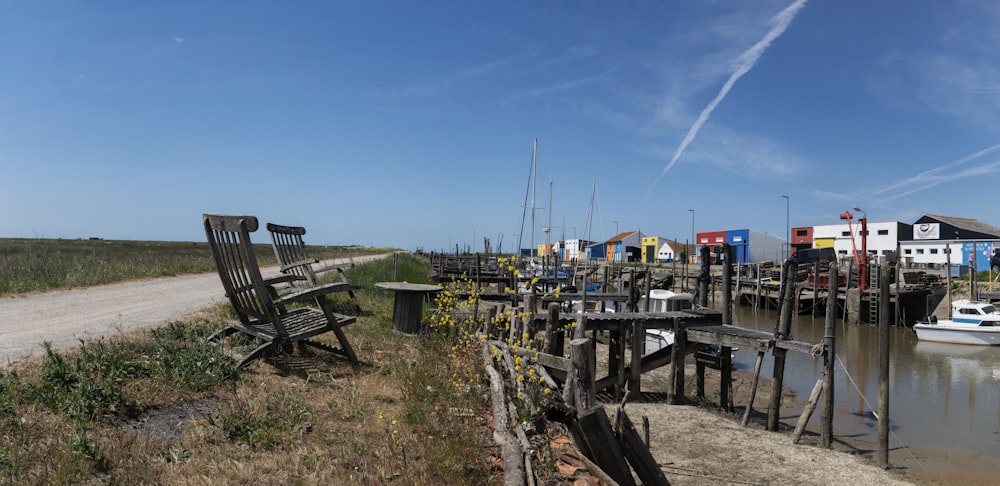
{"type": "Point", "coordinates": [967, 224]}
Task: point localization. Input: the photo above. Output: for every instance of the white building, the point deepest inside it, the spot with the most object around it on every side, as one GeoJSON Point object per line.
{"type": "Point", "coordinates": [845, 239]}
{"type": "Point", "coordinates": [573, 249]}
{"type": "Point", "coordinates": [933, 236]}
{"type": "Point", "coordinates": [667, 252]}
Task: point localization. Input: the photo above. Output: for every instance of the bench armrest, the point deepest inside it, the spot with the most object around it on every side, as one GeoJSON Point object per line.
{"type": "Point", "coordinates": [282, 279]}
{"type": "Point", "coordinates": [300, 263]}
{"type": "Point", "coordinates": [312, 292]}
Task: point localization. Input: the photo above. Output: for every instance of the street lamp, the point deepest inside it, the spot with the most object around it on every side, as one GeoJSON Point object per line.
{"type": "Point", "coordinates": [693, 243]}
{"type": "Point", "coordinates": [788, 227]}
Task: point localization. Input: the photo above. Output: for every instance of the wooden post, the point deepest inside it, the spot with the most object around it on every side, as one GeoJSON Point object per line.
{"type": "Point", "coordinates": [675, 392]}
{"type": "Point", "coordinates": [616, 359]}
{"type": "Point", "coordinates": [727, 286]}
{"type": "Point", "coordinates": [635, 363]}
{"type": "Point", "coordinates": [782, 332]}
{"type": "Point", "coordinates": [807, 412]}
{"type": "Point", "coordinates": [648, 286]}
{"type": "Point", "coordinates": [704, 277]}
{"type": "Point", "coordinates": [699, 378]}
{"type": "Point", "coordinates": [554, 336]}
{"type": "Point", "coordinates": [947, 253]}
{"type": "Point", "coordinates": [847, 288]}
{"type": "Point", "coordinates": [829, 341]}
{"type": "Point", "coordinates": [753, 384]}
{"type": "Point", "coordinates": [583, 363]}
{"type": "Point", "coordinates": [883, 381]}
{"type": "Point", "coordinates": [774, 407]}
{"type": "Point", "coordinates": [816, 288]}
{"type": "Point", "coordinates": [726, 377]}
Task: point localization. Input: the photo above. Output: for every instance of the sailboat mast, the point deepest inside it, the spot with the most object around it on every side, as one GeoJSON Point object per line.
{"type": "Point", "coordinates": [534, 183]}
{"type": "Point", "coordinates": [548, 225]}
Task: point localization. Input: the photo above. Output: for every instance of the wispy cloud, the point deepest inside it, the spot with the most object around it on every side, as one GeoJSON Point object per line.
{"type": "Point", "coordinates": [179, 40]}
{"type": "Point", "coordinates": [444, 84]}
{"type": "Point", "coordinates": [743, 65]}
{"type": "Point", "coordinates": [571, 84]}
{"type": "Point", "coordinates": [938, 178]}
{"type": "Point", "coordinates": [938, 175]}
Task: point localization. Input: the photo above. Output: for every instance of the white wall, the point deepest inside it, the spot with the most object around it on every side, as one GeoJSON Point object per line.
{"type": "Point", "coordinates": [878, 244]}
{"type": "Point", "coordinates": [665, 253]}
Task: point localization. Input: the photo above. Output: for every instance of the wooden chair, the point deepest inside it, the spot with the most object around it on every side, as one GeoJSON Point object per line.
{"type": "Point", "coordinates": [262, 313]}
{"type": "Point", "coordinates": [290, 249]}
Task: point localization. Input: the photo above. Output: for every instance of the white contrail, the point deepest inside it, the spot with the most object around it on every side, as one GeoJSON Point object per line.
{"type": "Point", "coordinates": [933, 179]}
{"type": "Point", "coordinates": [745, 63]}
{"type": "Point", "coordinates": [922, 178]}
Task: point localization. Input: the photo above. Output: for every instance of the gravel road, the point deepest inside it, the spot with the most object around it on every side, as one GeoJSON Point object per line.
{"type": "Point", "coordinates": [65, 317]}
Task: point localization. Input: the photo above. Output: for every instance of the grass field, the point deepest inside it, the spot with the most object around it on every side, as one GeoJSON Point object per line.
{"type": "Point", "coordinates": [31, 265]}
{"type": "Point", "coordinates": [163, 407]}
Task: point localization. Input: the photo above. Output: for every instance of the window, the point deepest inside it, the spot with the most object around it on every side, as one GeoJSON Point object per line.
{"type": "Point", "coordinates": [846, 233]}
{"type": "Point", "coordinates": [842, 252]}
{"type": "Point", "coordinates": [801, 232]}
{"type": "Point", "coordinates": [934, 251]}
{"type": "Point", "coordinates": [920, 251]}
{"type": "Point", "coordinates": [883, 232]}
{"type": "Point", "coordinates": [720, 239]}
{"type": "Point", "coordinates": [907, 251]}
{"type": "Point", "coordinates": [737, 239]}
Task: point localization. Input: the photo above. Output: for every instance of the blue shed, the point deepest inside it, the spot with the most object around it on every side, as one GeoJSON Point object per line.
{"type": "Point", "coordinates": [740, 241]}
{"type": "Point", "coordinates": [597, 251]}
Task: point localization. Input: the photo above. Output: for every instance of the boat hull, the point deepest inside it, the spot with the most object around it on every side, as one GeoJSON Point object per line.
{"type": "Point", "coordinates": [958, 334]}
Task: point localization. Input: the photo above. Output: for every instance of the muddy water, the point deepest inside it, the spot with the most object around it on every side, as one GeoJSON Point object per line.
{"type": "Point", "coordinates": [942, 396]}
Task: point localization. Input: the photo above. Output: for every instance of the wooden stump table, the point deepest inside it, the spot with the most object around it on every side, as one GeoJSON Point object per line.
{"type": "Point", "coordinates": [409, 304]}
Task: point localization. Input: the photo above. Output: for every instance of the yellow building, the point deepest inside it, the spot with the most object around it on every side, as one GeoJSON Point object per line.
{"type": "Point", "coordinates": [650, 245]}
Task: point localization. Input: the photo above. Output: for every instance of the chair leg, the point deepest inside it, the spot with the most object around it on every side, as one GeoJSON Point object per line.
{"type": "Point", "coordinates": [261, 351]}
{"type": "Point", "coordinates": [222, 333]}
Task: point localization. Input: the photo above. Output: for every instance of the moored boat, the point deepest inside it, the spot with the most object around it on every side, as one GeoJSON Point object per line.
{"type": "Point", "coordinates": [972, 322]}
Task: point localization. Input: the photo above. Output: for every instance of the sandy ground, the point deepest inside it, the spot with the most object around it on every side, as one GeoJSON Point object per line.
{"type": "Point", "coordinates": [64, 318]}
{"type": "Point", "coordinates": [703, 445]}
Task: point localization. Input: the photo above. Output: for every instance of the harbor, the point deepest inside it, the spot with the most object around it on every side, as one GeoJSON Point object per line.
{"type": "Point", "coordinates": [945, 399]}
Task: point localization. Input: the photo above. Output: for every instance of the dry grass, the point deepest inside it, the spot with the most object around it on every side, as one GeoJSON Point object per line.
{"type": "Point", "coordinates": [412, 414]}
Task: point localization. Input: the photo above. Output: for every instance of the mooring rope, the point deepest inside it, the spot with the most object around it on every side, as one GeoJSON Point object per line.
{"type": "Point", "coordinates": [869, 405]}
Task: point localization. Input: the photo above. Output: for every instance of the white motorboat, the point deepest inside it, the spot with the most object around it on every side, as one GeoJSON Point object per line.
{"type": "Point", "coordinates": [972, 322]}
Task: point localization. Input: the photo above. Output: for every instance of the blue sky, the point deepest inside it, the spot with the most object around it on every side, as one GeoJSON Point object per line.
{"type": "Point", "coordinates": [411, 124]}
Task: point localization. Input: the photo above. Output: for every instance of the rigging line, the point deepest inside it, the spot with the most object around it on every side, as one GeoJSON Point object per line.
{"type": "Point", "coordinates": [869, 405]}
{"type": "Point", "coordinates": [524, 207]}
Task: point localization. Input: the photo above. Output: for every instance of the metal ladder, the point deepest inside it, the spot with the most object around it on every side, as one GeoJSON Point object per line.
{"type": "Point", "coordinates": [873, 294]}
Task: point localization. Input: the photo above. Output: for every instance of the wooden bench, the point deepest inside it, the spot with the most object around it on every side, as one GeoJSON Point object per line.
{"type": "Point", "coordinates": [262, 313]}
{"type": "Point", "coordinates": [290, 249]}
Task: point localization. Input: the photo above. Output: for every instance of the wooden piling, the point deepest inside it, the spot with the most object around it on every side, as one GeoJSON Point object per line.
{"type": "Point", "coordinates": [807, 411]}
{"type": "Point", "coordinates": [582, 371]}
{"type": "Point", "coordinates": [782, 332]}
{"type": "Point", "coordinates": [675, 391]}
{"type": "Point", "coordinates": [753, 385]}
{"type": "Point", "coordinates": [554, 336]}
{"type": "Point", "coordinates": [727, 285]}
{"type": "Point", "coordinates": [883, 381]}
{"type": "Point", "coordinates": [829, 341]}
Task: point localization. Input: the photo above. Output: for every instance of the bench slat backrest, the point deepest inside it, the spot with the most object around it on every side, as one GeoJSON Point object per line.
{"type": "Point", "coordinates": [290, 249]}
{"type": "Point", "coordinates": [229, 238]}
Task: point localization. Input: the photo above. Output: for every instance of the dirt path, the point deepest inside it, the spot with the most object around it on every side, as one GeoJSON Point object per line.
{"type": "Point", "coordinates": [65, 317]}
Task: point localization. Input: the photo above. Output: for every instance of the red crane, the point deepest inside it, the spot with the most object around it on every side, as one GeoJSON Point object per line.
{"type": "Point", "coordinates": [862, 259]}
